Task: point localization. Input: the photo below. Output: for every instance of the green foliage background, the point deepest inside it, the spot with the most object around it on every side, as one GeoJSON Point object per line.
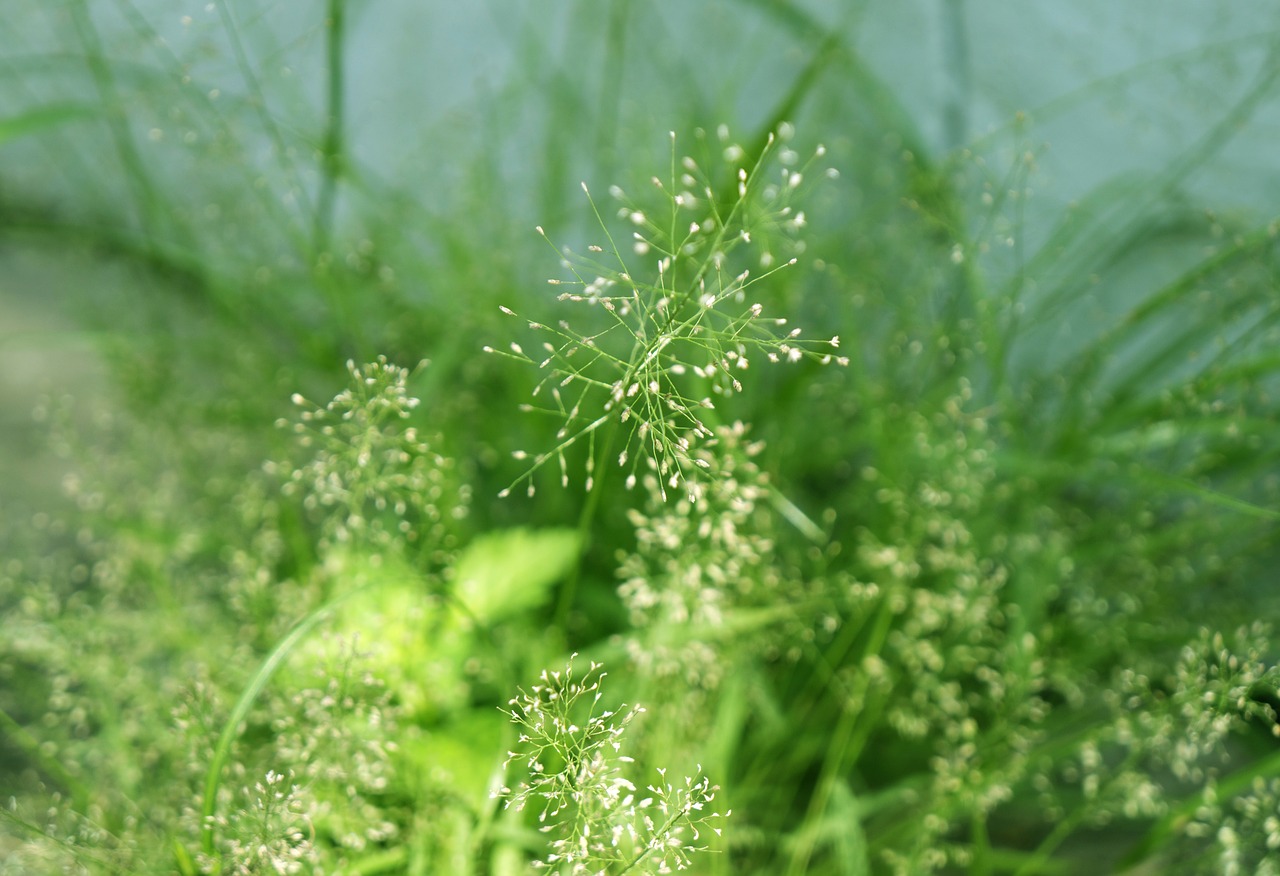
{"type": "Point", "coordinates": [1003, 569]}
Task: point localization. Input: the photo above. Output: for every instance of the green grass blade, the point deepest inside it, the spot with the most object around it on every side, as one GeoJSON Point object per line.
{"type": "Point", "coordinates": [231, 729]}
{"type": "Point", "coordinates": [41, 118]}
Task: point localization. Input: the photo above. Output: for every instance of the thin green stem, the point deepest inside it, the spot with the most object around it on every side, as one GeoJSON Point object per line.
{"type": "Point", "coordinates": [600, 466]}
{"type": "Point", "coordinates": [981, 845]}
{"type": "Point", "coordinates": [831, 765]}
{"type": "Point", "coordinates": [670, 822]}
{"type": "Point", "coordinates": [332, 147]}
{"type": "Point", "coordinates": [258, 100]}
{"type": "Point", "coordinates": [131, 162]}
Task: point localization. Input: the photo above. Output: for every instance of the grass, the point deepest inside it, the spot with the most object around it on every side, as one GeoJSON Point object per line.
{"type": "Point", "coordinates": [844, 504]}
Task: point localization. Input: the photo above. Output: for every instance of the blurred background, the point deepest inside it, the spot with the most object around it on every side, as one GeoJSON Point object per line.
{"type": "Point", "coordinates": [231, 196]}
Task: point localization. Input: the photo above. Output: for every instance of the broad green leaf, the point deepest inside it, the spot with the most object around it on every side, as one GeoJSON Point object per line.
{"type": "Point", "coordinates": [504, 573]}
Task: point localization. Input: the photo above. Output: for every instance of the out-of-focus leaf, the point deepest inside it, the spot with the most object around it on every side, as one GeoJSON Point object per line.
{"type": "Point", "coordinates": [504, 573]}
{"type": "Point", "coordinates": [461, 755]}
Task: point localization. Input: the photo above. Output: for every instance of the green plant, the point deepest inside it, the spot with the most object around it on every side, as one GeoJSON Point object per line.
{"type": "Point", "coordinates": [666, 344]}
{"type": "Point", "coordinates": [979, 601]}
{"type": "Point", "coordinates": [599, 820]}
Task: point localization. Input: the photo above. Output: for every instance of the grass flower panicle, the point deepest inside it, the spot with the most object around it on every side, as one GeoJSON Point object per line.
{"type": "Point", "coordinates": [273, 833]}
{"type": "Point", "coordinates": [667, 342]}
{"type": "Point", "coordinates": [599, 821]}
{"type": "Point", "coordinates": [371, 478]}
{"type": "Point", "coordinates": [697, 563]}
{"type": "Point", "coordinates": [328, 765]}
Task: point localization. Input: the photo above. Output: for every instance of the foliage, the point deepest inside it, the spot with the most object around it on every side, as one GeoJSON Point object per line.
{"type": "Point", "coordinates": [918, 523]}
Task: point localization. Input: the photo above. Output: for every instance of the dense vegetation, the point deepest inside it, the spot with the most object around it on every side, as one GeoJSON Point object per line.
{"type": "Point", "coordinates": [801, 493]}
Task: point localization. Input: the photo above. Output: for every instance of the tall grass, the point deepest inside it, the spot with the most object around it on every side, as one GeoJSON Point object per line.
{"type": "Point", "coordinates": [974, 578]}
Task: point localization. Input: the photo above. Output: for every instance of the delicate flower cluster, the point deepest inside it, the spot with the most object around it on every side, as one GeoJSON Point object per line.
{"type": "Point", "coordinates": [273, 834]}
{"type": "Point", "coordinates": [327, 761]}
{"type": "Point", "coordinates": [371, 478]}
{"type": "Point", "coordinates": [1217, 685]}
{"type": "Point", "coordinates": [1245, 829]}
{"type": "Point", "coordinates": [599, 820]}
{"type": "Point", "coordinates": [948, 643]}
{"type": "Point", "coordinates": [694, 563]}
{"type": "Point", "coordinates": [339, 736]}
{"type": "Point", "coordinates": [665, 342]}
{"type": "Point", "coordinates": [1174, 727]}
{"type": "Point", "coordinates": [943, 670]}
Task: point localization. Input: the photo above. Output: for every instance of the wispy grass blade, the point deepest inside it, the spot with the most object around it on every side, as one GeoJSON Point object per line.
{"type": "Point", "coordinates": [38, 120]}
{"type": "Point", "coordinates": [232, 728]}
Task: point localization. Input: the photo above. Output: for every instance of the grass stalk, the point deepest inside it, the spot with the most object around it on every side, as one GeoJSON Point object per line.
{"type": "Point", "coordinates": [145, 197]}
{"type": "Point", "coordinates": [838, 752]}
{"type": "Point", "coordinates": [332, 146]}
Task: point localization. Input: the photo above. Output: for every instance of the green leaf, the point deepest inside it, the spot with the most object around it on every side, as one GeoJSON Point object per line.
{"type": "Point", "coordinates": [398, 621]}
{"type": "Point", "coordinates": [504, 573]}
{"type": "Point", "coordinates": [461, 755]}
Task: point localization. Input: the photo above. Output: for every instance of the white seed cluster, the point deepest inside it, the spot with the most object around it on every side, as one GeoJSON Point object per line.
{"type": "Point", "coordinates": [945, 670]}
{"type": "Point", "coordinates": [597, 819]}
{"type": "Point", "coordinates": [696, 562]}
{"type": "Point", "coordinates": [665, 344]}
{"type": "Point", "coordinates": [370, 478]}
{"type": "Point", "coordinates": [327, 766]}
{"type": "Point", "coordinates": [273, 833]}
